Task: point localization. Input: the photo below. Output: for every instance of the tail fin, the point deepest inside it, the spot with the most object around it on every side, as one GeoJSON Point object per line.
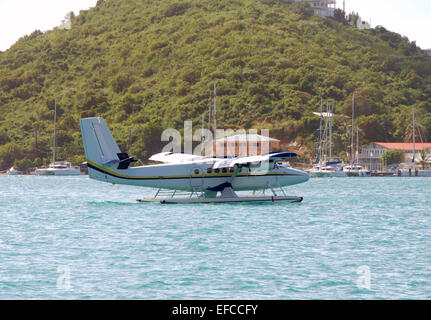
{"type": "Point", "coordinates": [99, 145]}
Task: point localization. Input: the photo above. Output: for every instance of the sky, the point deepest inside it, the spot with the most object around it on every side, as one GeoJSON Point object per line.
{"type": "Point", "coordinates": [21, 17]}
{"type": "Point", "coordinates": [411, 18]}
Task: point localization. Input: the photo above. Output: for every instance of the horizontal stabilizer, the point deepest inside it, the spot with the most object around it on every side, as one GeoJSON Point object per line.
{"type": "Point", "coordinates": [124, 160]}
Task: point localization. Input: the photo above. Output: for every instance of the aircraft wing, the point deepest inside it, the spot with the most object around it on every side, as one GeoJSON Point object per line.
{"type": "Point", "coordinates": [170, 157]}
{"type": "Point", "coordinates": [270, 157]}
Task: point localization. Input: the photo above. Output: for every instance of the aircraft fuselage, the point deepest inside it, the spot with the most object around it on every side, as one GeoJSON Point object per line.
{"type": "Point", "coordinates": [197, 175]}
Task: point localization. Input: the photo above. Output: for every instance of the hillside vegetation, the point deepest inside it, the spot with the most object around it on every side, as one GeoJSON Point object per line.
{"type": "Point", "coordinates": [147, 65]}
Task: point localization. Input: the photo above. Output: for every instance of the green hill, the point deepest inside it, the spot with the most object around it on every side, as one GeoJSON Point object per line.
{"type": "Point", "coordinates": [145, 65]}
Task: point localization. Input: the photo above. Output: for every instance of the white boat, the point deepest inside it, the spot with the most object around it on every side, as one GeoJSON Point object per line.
{"type": "Point", "coordinates": [326, 172]}
{"type": "Point", "coordinates": [356, 171]}
{"type": "Point", "coordinates": [13, 171]}
{"type": "Point", "coordinates": [59, 168]}
{"type": "Point", "coordinates": [326, 165]}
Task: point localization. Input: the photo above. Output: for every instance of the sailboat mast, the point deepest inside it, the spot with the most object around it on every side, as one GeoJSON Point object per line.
{"type": "Point", "coordinates": [215, 120]}
{"type": "Point", "coordinates": [328, 133]}
{"type": "Point", "coordinates": [353, 129]}
{"type": "Point", "coordinates": [414, 136]}
{"type": "Point", "coordinates": [320, 131]}
{"type": "Point", "coordinates": [203, 126]}
{"type": "Point", "coordinates": [331, 114]}
{"type": "Point", "coordinates": [209, 115]}
{"type": "Point", "coordinates": [357, 145]}
{"type": "Point", "coordinates": [327, 136]}
{"type": "Point", "coordinates": [55, 122]}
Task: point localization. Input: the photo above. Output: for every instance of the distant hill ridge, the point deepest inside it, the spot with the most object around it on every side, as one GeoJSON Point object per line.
{"type": "Point", "coordinates": [149, 65]}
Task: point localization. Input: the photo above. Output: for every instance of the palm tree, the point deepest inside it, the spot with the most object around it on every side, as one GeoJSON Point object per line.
{"type": "Point", "coordinates": [420, 131]}
{"type": "Point", "coordinates": [423, 158]}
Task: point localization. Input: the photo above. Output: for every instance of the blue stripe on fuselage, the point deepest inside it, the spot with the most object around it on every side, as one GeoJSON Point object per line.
{"type": "Point", "coordinates": [183, 177]}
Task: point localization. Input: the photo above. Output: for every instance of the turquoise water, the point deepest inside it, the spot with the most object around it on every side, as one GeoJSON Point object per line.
{"type": "Point", "coordinates": [74, 238]}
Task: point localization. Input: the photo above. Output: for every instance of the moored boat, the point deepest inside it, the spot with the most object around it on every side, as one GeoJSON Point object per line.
{"type": "Point", "coordinates": [326, 165]}
{"type": "Point", "coordinates": [356, 171]}
{"type": "Point", "coordinates": [59, 168]}
{"type": "Point", "coordinates": [327, 171]}
{"type": "Point", "coordinates": [13, 171]}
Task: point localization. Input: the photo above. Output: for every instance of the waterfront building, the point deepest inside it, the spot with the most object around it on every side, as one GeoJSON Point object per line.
{"type": "Point", "coordinates": [372, 154]}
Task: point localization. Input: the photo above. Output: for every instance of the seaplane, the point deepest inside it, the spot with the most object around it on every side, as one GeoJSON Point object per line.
{"type": "Point", "coordinates": [188, 178]}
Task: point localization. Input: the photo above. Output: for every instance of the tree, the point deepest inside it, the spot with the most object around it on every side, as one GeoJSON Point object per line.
{"type": "Point", "coordinates": [393, 156]}
{"type": "Point", "coordinates": [3, 137]}
{"type": "Point", "coordinates": [176, 9]}
{"type": "Point", "coordinates": [424, 158]}
{"type": "Point", "coordinates": [303, 9]}
{"type": "Point", "coordinates": [340, 16]}
{"type": "Point", "coordinates": [368, 101]}
{"type": "Point", "coordinates": [152, 62]}
{"type": "Point", "coordinates": [23, 164]}
{"type": "Point", "coordinates": [353, 18]}
{"type": "Point", "coordinates": [420, 131]}
{"type": "Point", "coordinates": [8, 153]}
{"type": "Point", "coordinates": [121, 82]}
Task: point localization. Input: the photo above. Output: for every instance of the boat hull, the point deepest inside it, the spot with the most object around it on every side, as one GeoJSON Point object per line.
{"type": "Point", "coordinates": [327, 174]}
{"type": "Point", "coordinates": [58, 172]}
{"type": "Point", "coordinates": [14, 173]}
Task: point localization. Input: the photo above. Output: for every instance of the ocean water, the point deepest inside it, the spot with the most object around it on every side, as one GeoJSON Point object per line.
{"type": "Point", "coordinates": [351, 238]}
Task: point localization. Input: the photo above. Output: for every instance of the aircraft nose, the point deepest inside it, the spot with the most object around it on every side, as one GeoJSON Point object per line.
{"type": "Point", "coordinates": [304, 176]}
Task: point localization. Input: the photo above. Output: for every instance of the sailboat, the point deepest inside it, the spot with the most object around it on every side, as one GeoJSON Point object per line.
{"type": "Point", "coordinates": [354, 169]}
{"type": "Point", "coordinates": [13, 171]}
{"type": "Point", "coordinates": [326, 165]}
{"type": "Point", "coordinates": [413, 170]}
{"type": "Point", "coordinates": [58, 168]}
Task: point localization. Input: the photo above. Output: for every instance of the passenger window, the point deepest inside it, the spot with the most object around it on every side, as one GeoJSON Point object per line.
{"type": "Point", "coordinates": [209, 170]}
{"type": "Point", "coordinates": [224, 170]}
{"type": "Point", "coordinates": [196, 171]}
{"type": "Point", "coordinates": [216, 170]}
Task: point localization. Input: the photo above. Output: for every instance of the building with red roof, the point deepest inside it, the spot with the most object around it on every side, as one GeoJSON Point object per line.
{"type": "Point", "coordinates": [371, 155]}
{"type": "Point", "coordinates": [408, 146]}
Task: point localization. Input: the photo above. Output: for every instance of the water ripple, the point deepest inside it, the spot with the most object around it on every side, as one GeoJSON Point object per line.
{"type": "Point", "coordinates": [110, 247]}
